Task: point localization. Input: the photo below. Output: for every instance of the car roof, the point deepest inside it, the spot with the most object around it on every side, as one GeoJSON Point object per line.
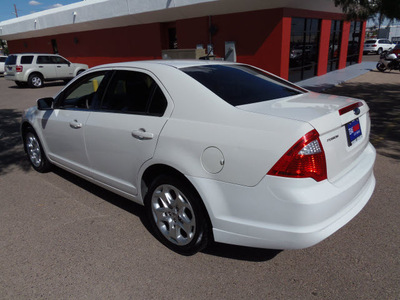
{"type": "Point", "coordinates": [178, 64]}
{"type": "Point", "coordinates": [33, 53]}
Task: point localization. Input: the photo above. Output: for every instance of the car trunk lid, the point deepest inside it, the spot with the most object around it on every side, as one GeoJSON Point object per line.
{"type": "Point", "coordinates": [343, 124]}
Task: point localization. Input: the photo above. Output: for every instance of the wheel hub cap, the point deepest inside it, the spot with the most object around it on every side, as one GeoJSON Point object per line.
{"type": "Point", "coordinates": [33, 149]}
{"type": "Point", "coordinates": [173, 215]}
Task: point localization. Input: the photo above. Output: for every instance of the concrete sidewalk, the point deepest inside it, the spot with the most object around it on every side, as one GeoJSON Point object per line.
{"type": "Point", "coordinates": [331, 79]}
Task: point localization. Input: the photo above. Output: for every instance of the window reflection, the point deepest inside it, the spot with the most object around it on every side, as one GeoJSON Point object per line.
{"type": "Point", "coordinates": [334, 45]}
{"type": "Point", "coordinates": [353, 49]}
{"type": "Point", "coordinates": [304, 48]}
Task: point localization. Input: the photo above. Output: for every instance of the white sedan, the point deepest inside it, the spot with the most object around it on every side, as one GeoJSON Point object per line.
{"type": "Point", "coordinates": [214, 151]}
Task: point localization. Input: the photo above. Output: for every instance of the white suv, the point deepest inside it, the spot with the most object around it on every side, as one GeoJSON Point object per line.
{"type": "Point", "coordinates": [377, 46]}
{"type": "Point", "coordinates": [2, 61]}
{"type": "Point", "coordinates": [33, 68]}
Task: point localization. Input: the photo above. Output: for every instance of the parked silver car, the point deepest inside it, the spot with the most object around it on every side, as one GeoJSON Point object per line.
{"type": "Point", "coordinates": [33, 69]}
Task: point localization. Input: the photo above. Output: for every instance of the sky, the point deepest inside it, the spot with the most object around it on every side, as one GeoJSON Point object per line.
{"type": "Point", "coordinates": [26, 7]}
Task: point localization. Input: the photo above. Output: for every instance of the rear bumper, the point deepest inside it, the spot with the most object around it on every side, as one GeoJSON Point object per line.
{"type": "Point", "coordinates": [15, 77]}
{"type": "Point", "coordinates": [286, 213]}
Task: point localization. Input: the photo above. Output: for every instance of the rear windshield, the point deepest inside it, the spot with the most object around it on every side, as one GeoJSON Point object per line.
{"type": "Point", "coordinates": [370, 42]}
{"type": "Point", "coordinates": [240, 85]}
{"type": "Point", "coordinates": [11, 60]}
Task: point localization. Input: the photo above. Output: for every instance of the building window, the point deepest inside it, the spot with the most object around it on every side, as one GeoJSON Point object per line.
{"type": "Point", "coordinates": [334, 45]}
{"type": "Point", "coordinates": [54, 45]}
{"type": "Point", "coordinates": [304, 48]}
{"type": "Point", "coordinates": [353, 50]}
{"type": "Point", "coordinates": [172, 40]}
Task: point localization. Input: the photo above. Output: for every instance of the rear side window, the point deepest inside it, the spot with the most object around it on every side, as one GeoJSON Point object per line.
{"type": "Point", "coordinates": [2, 59]}
{"type": "Point", "coordinates": [134, 92]}
{"type": "Point", "coordinates": [26, 59]}
{"type": "Point", "coordinates": [240, 85]}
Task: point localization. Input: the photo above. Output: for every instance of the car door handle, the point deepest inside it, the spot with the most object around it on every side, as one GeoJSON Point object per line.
{"type": "Point", "coordinates": [75, 124]}
{"type": "Point", "coordinates": [141, 134]}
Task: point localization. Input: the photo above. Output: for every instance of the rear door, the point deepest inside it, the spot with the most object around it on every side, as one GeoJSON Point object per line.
{"type": "Point", "coordinates": [122, 134]}
{"type": "Point", "coordinates": [46, 66]}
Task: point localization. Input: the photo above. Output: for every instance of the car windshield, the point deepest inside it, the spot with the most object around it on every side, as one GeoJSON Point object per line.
{"type": "Point", "coordinates": [240, 85]}
{"type": "Point", "coordinates": [370, 42]}
{"type": "Point", "coordinates": [11, 60]}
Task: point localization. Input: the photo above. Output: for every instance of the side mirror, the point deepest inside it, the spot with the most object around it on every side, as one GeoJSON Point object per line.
{"type": "Point", "coordinates": [45, 103]}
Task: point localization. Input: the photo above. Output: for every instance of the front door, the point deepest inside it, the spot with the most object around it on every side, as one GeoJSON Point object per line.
{"type": "Point", "coordinates": [64, 127]}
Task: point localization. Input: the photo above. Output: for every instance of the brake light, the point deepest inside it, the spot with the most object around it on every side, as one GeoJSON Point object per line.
{"type": "Point", "coordinates": [306, 159]}
{"type": "Point", "coordinates": [19, 68]}
{"type": "Point", "coordinates": [346, 109]}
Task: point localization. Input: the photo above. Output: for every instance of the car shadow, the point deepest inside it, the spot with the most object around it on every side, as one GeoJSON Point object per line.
{"type": "Point", "coordinates": [214, 249]}
{"type": "Point", "coordinates": [46, 84]}
{"type": "Point", "coordinates": [384, 104]}
{"type": "Point", "coordinates": [11, 148]}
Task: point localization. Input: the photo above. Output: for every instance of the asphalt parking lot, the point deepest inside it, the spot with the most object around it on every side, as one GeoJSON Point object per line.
{"type": "Point", "coordinates": [64, 238]}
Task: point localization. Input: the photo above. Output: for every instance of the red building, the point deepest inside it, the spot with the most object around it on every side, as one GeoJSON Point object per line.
{"type": "Point", "coordinates": [293, 39]}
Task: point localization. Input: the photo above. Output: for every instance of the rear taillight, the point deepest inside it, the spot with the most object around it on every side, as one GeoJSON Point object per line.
{"type": "Point", "coordinates": [19, 68]}
{"type": "Point", "coordinates": [305, 159]}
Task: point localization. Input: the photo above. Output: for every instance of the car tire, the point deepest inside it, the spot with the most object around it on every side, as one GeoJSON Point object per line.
{"type": "Point", "coordinates": [379, 52]}
{"type": "Point", "coordinates": [35, 80]}
{"type": "Point", "coordinates": [381, 67]}
{"type": "Point", "coordinates": [177, 215]}
{"type": "Point", "coordinates": [35, 152]}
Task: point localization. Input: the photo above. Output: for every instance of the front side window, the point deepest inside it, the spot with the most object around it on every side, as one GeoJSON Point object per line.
{"type": "Point", "coordinates": [83, 94]}
{"type": "Point", "coordinates": [59, 60]}
{"type": "Point", "coordinates": [240, 85]}
{"type": "Point", "coordinates": [134, 92]}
